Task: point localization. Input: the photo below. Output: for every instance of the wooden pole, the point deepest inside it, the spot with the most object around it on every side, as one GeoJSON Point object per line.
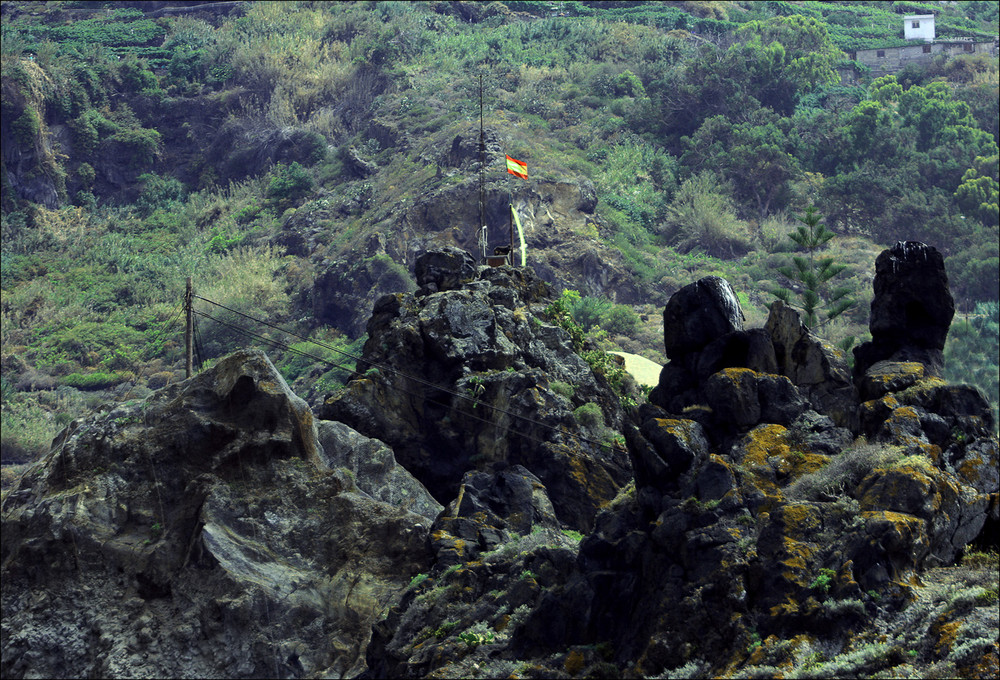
{"type": "Point", "coordinates": [510, 254]}
{"type": "Point", "coordinates": [188, 332]}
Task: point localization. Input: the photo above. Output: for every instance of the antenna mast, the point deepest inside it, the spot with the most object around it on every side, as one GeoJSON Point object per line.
{"type": "Point", "coordinates": [482, 174]}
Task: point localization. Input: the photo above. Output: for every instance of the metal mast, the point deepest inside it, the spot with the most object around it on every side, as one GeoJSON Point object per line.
{"type": "Point", "coordinates": [482, 173]}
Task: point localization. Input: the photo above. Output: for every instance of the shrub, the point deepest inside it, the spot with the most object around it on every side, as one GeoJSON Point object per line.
{"type": "Point", "coordinates": [158, 192]}
{"type": "Point", "coordinates": [246, 280]}
{"type": "Point", "coordinates": [589, 415]}
{"type": "Point", "coordinates": [589, 311]}
{"type": "Point", "coordinates": [26, 127]}
{"type": "Point", "coordinates": [289, 183]}
{"type": "Point", "coordinates": [563, 389]}
{"type": "Point", "coordinates": [142, 145]}
{"type": "Point", "coordinates": [93, 381]}
{"type": "Point", "coordinates": [703, 217]}
{"type": "Point", "coordinates": [844, 470]}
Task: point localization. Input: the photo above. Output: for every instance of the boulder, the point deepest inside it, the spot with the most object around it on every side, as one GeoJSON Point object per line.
{"type": "Point", "coordinates": [699, 313]}
{"type": "Point", "coordinates": [911, 310]}
{"type": "Point", "coordinates": [375, 469]}
{"type": "Point", "coordinates": [464, 380]}
{"type": "Point", "coordinates": [444, 269]}
{"type": "Point", "coordinates": [492, 508]}
{"type": "Point", "coordinates": [818, 369]}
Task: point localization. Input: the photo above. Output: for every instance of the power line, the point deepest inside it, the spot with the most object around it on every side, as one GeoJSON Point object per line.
{"type": "Point", "coordinates": [410, 393]}
{"type": "Point", "coordinates": [381, 367]}
{"type": "Point", "coordinates": [388, 369]}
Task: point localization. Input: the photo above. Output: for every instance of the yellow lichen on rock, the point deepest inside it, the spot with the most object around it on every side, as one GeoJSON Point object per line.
{"type": "Point", "coordinates": [763, 442]}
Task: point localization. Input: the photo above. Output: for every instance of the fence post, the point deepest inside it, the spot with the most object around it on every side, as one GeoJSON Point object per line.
{"type": "Point", "coordinates": [188, 332]}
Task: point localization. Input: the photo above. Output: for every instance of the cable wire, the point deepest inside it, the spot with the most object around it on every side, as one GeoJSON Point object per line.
{"type": "Point", "coordinates": [476, 403]}
{"type": "Point", "coordinates": [389, 369]}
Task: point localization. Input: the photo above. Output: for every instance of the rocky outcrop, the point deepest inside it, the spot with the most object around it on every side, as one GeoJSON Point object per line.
{"type": "Point", "coordinates": [345, 290]}
{"type": "Point", "coordinates": [731, 378]}
{"type": "Point", "coordinates": [468, 373]}
{"type": "Point", "coordinates": [209, 530]}
{"type": "Point", "coordinates": [215, 528]}
{"type": "Point", "coordinates": [911, 310]}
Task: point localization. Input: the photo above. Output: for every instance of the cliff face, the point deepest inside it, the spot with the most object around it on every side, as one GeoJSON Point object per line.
{"type": "Point", "coordinates": [219, 528]}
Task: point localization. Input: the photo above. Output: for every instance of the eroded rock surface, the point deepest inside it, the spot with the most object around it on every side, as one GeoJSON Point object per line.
{"type": "Point", "coordinates": [470, 372]}
{"type": "Point", "coordinates": [205, 531]}
{"type": "Point", "coordinates": [216, 529]}
{"type": "Point", "coordinates": [911, 311]}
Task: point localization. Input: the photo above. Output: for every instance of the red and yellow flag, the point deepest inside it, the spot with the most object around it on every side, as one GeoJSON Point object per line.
{"type": "Point", "coordinates": [517, 168]}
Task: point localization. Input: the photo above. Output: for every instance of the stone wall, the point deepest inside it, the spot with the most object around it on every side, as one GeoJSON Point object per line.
{"type": "Point", "coordinates": [892, 59]}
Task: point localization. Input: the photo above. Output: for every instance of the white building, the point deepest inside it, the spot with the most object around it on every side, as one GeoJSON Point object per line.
{"type": "Point", "coordinates": [919, 27]}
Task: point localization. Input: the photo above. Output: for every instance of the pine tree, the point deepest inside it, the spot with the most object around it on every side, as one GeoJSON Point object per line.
{"type": "Point", "coordinates": [813, 273]}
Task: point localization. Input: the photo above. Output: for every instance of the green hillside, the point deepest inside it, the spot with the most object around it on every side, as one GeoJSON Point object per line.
{"type": "Point", "coordinates": [252, 145]}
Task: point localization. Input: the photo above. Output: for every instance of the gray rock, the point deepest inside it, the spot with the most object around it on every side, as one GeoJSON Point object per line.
{"type": "Point", "coordinates": [375, 469]}
{"type": "Point", "coordinates": [169, 536]}
{"type": "Point", "coordinates": [818, 369]}
{"type": "Point", "coordinates": [444, 269]}
{"type": "Point", "coordinates": [678, 443]}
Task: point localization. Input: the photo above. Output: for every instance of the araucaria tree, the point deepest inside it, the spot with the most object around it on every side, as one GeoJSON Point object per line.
{"type": "Point", "coordinates": [811, 274]}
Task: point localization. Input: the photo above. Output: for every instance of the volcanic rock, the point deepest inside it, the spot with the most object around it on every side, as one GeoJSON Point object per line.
{"type": "Point", "coordinates": [911, 311]}
{"type": "Point", "coordinates": [698, 314]}
{"type": "Point", "coordinates": [200, 532]}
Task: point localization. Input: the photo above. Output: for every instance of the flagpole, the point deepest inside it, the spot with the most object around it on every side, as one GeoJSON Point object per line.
{"type": "Point", "coordinates": [510, 207]}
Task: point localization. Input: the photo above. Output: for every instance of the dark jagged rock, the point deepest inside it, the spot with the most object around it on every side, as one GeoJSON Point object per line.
{"type": "Point", "coordinates": [699, 313]}
{"type": "Point", "coordinates": [465, 379]}
{"type": "Point", "coordinates": [736, 378]}
{"type": "Point", "coordinates": [911, 311]}
{"type": "Point", "coordinates": [817, 368]}
{"type": "Point", "coordinates": [214, 529]}
{"type": "Point", "coordinates": [445, 269]}
{"type": "Point", "coordinates": [345, 291]}
{"type": "Point", "coordinates": [492, 508]}
{"type": "Point", "coordinates": [199, 533]}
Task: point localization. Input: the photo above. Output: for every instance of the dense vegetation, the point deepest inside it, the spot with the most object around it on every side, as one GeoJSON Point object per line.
{"type": "Point", "coordinates": [143, 147]}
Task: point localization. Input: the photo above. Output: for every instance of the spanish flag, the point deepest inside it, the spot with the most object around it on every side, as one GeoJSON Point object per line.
{"type": "Point", "coordinates": [517, 168]}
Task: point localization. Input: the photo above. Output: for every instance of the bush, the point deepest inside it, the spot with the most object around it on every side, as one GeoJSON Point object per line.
{"type": "Point", "coordinates": [589, 415]}
{"type": "Point", "coordinates": [159, 192]}
{"type": "Point", "coordinates": [702, 216]}
{"type": "Point", "coordinates": [589, 311]}
{"type": "Point", "coordinates": [247, 280]}
{"type": "Point", "coordinates": [289, 183]}
{"type": "Point", "coordinates": [844, 471]}
{"type": "Point", "coordinates": [94, 381]}
{"type": "Point", "coordinates": [142, 145]}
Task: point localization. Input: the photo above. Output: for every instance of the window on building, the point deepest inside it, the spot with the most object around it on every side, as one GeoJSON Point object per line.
{"type": "Point", "coordinates": [880, 54]}
{"type": "Point", "coordinates": [927, 49]}
{"type": "Point", "coordinates": [915, 24]}
{"type": "Point", "coordinates": [968, 47]}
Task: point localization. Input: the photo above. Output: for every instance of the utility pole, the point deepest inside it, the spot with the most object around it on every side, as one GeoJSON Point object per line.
{"type": "Point", "coordinates": [188, 332]}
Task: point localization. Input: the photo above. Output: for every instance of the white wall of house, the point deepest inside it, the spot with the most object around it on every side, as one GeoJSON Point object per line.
{"type": "Point", "coordinates": [919, 27]}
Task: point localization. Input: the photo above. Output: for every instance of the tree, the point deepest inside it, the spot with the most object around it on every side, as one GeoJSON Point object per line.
{"type": "Point", "coordinates": [971, 351]}
{"type": "Point", "coordinates": [979, 193]}
{"type": "Point", "coordinates": [813, 273]}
